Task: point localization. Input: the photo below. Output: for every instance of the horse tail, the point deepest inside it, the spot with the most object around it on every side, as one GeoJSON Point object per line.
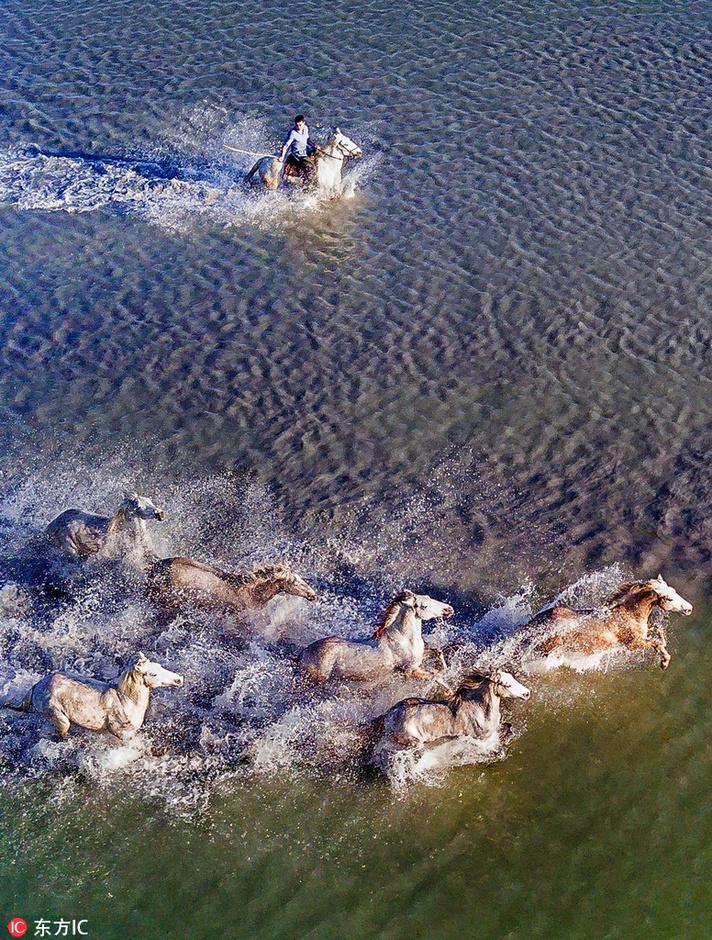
{"type": "Point", "coordinates": [254, 169]}
{"type": "Point", "coordinates": [24, 706]}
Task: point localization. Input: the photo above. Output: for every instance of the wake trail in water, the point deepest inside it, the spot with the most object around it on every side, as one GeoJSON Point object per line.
{"type": "Point", "coordinates": [165, 191]}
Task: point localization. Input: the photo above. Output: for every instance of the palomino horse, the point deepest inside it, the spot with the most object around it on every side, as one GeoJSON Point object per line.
{"type": "Point", "coordinates": [329, 161]}
{"type": "Point", "coordinates": [83, 534]}
{"type": "Point", "coordinates": [437, 727]}
{"type": "Point", "coordinates": [396, 644]}
{"type": "Point", "coordinates": [177, 581]}
{"type": "Point", "coordinates": [624, 621]}
{"type": "Point", "coordinates": [118, 707]}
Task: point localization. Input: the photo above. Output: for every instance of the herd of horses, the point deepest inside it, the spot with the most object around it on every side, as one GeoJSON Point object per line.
{"type": "Point", "coordinates": [435, 729]}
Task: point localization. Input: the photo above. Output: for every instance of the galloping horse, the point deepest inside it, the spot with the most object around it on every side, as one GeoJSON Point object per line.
{"type": "Point", "coordinates": [119, 707]}
{"type": "Point", "coordinates": [177, 581]}
{"type": "Point", "coordinates": [436, 727]}
{"type": "Point", "coordinates": [624, 621]}
{"type": "Point", "coordinates": [396, 644]}
{"type": "Point", "coordinates": [329, 161]}
{"type": "Point", "coordinates": [82, 534]}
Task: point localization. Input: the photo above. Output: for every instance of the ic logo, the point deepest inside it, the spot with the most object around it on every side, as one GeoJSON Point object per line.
{"type": "Point", "coordinates": [17, 927]}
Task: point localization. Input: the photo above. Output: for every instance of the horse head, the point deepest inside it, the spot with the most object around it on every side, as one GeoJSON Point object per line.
{"type": "Point", "coordinates": [668, 598]}
{"type": "Point", "coordinates": [506, 686]}
{"type": "Point", "coordinates": [155, 676]}
{"type": "Point", "coordinates": [347, 146]}
{"type": "Point", "coordinates": [141, 507]}
{"type": "Point", "coordinates": [427, 608]}
{"type": "Point", "coordinates": [296, 585]}
{"type": "Point", "coordinates": [279, 578]}
{"type": "Point", "coordinates": [502, 683]}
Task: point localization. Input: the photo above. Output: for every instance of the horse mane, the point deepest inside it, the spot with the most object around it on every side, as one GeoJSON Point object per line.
{"type": "Point", "coordinates": [118, 519]}
{"type": "Point", "coordinates": [262, 574]}
{"type": "Point", "coordinates": [389, 615]}
{"type": "Point", "coordinates": [128, 681]}
{"type": "Point", "coordinates": [474, 680]}
{"type": "Point", "coordinates": [624, 591]}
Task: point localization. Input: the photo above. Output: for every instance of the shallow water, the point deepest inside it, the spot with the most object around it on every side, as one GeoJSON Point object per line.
{"type": "Point", "coordinates": [484, 376]}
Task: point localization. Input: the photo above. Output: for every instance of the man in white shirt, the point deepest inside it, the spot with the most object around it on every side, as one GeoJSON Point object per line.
{"type": "Point", "coordinates": [298, 148]}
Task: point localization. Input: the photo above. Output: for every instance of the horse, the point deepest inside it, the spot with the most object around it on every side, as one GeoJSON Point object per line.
{"type": "Point", "coordinates": [174, 582]}
{"type": "Point", "coordinates": [440, 732]}
{"type": "Point", "coordinates": [397, 643]}
{"type": "Point", "coordinates": [329, 162]}
{"type": "Point", "coordinates": [624, 621]}
{"type": "Point", "coordinates": [82, 534]}
{"type": "Point", "coordinates": [119, 707]}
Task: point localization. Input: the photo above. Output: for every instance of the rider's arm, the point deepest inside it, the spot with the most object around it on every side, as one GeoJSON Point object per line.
{"type": "Point", "coordinates": [287, 143]}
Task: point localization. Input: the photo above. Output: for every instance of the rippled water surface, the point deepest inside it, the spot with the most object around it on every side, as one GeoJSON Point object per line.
{"type": "Point", "coordinates": [485, 376]}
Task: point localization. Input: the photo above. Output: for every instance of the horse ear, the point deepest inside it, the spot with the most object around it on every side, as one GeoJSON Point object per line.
{"type": "Point", "coordinates": [337, 130]}
{"type": "Point", "coordinates": [408, 597]}
{"type": "Point", "coordinates": [141, 659]}
{"type": "Point", "coordinates": [130, 494]}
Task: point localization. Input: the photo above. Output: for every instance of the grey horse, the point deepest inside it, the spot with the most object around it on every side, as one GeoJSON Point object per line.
{"type": "Point", "coordinates": [396, 644]}
{"type": "Point", "coordinates": [118, 707]}
{"type": "Point", "coordinates": [435, 729]}
{"type": "Point", "coordinates": [82, 534]}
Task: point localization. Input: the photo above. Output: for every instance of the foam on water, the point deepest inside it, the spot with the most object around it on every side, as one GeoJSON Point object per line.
{"type": "Point", "coordinates": [186, 180]}
{"type": "Point", "coordinates": [242, 711]}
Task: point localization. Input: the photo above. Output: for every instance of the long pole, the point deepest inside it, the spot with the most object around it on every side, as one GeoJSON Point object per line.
{"type": "Point", "coordinates": [250, 153]}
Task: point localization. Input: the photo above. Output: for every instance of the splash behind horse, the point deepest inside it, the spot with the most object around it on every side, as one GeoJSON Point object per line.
{"type": "Point", "coordinates": [625, 621]}
{"type": "Point", "coordinates": [119, 707]}
{"type": "Point", "coordinates": [396, 644]}
{"type": "Point", "coordinates": [329, 161]}
{"type": "Point", "coordinates": [175, 582]}
{"type": "Point", "coordinates": [82, 534]}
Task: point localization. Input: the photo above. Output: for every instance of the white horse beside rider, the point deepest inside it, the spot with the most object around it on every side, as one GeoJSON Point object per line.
{"type": "Point", "coordinates": [329, 163]}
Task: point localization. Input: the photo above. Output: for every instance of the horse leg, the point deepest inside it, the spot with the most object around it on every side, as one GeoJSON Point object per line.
{"type": "Point", "coordinates": [123, 730]}
{"type": "Point", "coordinates": [60, 721]}
{"type": "Point", "coordinates": [658, 643]}
{"type": "Point", "coordinates": [419, 674]}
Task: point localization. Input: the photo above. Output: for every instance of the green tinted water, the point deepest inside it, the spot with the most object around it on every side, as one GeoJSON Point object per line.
{"type": "Point", "coordinates": [597, 825]}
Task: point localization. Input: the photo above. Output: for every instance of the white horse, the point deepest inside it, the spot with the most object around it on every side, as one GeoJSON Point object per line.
{"type": "Point", "coordinates": [329, 161]}
{"type": "Point", "coordinates": [119, 707]}
{"type": "Point", "coordinates": [446, 733]}
{"type": "Point", "coordinates": [396, 644]}
{"type": "Point", "coordinates": [82, 534]}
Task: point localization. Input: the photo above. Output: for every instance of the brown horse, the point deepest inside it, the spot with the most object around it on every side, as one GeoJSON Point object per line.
{"type": "Point", "coordinates": [177, 582]}
{"type": "Point", "coordinates": [624, 621]}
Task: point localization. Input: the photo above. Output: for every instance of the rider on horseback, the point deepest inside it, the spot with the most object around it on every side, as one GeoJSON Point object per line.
{"type": "Point", "coordinates": [298, 149]}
